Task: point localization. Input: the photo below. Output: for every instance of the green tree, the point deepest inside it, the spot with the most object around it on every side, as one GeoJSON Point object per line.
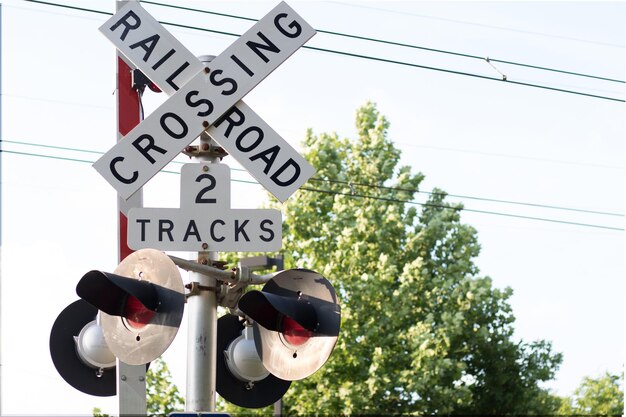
{"type": "Point", "coordinates": [162, 396]}
{"type": "Point", "coordinates": [422, 332]}
{"type": "Point", "coordinates": [600, 396]}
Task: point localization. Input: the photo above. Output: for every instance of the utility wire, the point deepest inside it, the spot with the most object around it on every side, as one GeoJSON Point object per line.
{"type": "Point", "coordinates": [61, 158]}
{"type": "Point", "coordinates": [388, 42]}
{"type": "Point", "coordinates": [354, 195]}
{"type": "Point", "coordinates": [393, 200]}
{"type": "Point", "coordinates": [353, 55]}
{"type": "Point", "coordinates": [462, 22]}
{"type": "Point", "coordinates": [412, 145]}
{"type": "Point", "coordinates": [67, 6]}
{"type": "Point", "coordinates": [444, 194]}
{"type": "Point", "coordinates": [468, 74]}
{"type": "Point", "coordinates": [351, 184]}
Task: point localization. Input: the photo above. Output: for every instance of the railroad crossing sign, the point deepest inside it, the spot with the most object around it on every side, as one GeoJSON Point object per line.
{"type": "Point", "coordinates": [205, 98]}
{"type": "Point", "coordinates": [205, 220]}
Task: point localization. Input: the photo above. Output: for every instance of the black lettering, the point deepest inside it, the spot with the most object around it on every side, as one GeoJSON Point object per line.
{"type": "Point", "coordinates": [242, 65]}
{"type": "Point", "coordinates": [181, 122]}
{"type": "Point", "coordinates": [117, 175]}
{"type": "Point", "coordinates": [165, 58]}
{"type": "Point", "coordinates": [145, 149]}
{"type": "Point", "coordinates": [297, 29]}
{"type": "Point", "coordinates": [241, 230]}
{"type": "Point", "coordinates": [259, 139]}
{"type": "Point", "coordinates": [147, 45]}
{"type": "Point", "coordinates": [268, 230]}
{"type": "Point", "coordinates": [279, 171]}
{"type": "Point", "coordinates": [268, 156]}
{"type": "Point", "coordinates": [192, 229]}
{"type": "Point", "coordinates": [170, 79]}
{"type": "Point", "coordinates": [226, 80]}
{"type": "Point", "coordinates": [212, 231]}
{"type": "Point", "coordinates": [127, 26]}
{"type": "Point", "coordinates": [231, 121]}
{"type": "Point", "coordinates": [198, 103]}
{"type": "Point", "coordinates": [165, 227]}
{"type": "Point", "coordinates": [143, 222]}
{"type": "Point", "coordinates": [200, 198]}
{"type": "Point", "coordinates": [257, 47]}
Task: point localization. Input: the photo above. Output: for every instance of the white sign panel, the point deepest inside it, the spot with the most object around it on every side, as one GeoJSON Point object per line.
{"type": "Point", "coordinates": [205, 220]}
{"type": "Point", "coordinates": [152, 49]}
{"type": "Point", "coordinates": [207, 184]}
{"type": "Point", "coordinates": [202, 100]}
{"type": "Point", "coordinates": [244, 230]}
{"type": "Point", "coordinates": [263, 152]}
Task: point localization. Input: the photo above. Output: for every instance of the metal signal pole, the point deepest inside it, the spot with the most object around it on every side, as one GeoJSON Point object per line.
{"type": "Point", "coordinates": [264, 262]}
{"type": "Point", "coordinates": [0, 190]}
{"type": "Point", "coordinates": [131, 379]}
{"type": "Point", "coordinates": [202, 312]}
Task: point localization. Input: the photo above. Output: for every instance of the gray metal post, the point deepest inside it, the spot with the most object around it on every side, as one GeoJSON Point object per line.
{"type": "Point", "coordinates": [262, 262]}
{"type": "Point", "coordinates": [202, 333]}
{"type": "Point", "coordinates": [278, 405]}
{"type": "Point", "coordinates": [131, 389]}
{"type": "Point", "coordinates": [0, 197]}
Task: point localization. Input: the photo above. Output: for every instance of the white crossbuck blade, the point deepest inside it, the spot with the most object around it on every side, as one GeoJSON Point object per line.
{"type": "Point", "coordinates": [200, 97]}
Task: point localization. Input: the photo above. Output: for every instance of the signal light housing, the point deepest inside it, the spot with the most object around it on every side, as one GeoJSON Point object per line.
{"type": "Point", "coordinates": [141, 304]}
{"type": "Point", "coordinates": [243, 384]}
{"type": "Point", "coordinates": [297, 319]}
{"type": "Point", "coordinates": [77, 351]}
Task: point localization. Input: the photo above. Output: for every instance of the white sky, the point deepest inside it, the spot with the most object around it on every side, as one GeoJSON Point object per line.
{"type": "Point", "coordinates": [469, 136]}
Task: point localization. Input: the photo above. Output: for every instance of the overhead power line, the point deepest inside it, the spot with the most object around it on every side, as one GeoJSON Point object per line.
{"type": "Point", "coordinates": [355, 195]}
{"type": "Point", "coordinates": [393, 43]}
{"type": "Point", "coordinates": [63, 158]}
{"type": "Point", "coordinates": [468, 74]}
{"type": "Point", "coordinates": [361, 56]}
{"type": "Point", "coordinates": [482, 25]}
{"type": "Point", "coordinates": [412, 145]}
{"type": "Point", "coordinates": [444, 194]}
{"type": "Point", "coordinates": [352, 184]}
{"type": "Point", "coordinates": [393, 200]}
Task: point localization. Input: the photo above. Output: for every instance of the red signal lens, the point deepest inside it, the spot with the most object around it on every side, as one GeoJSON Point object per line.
{"type": "Point", "coordinates": [137, 315]}
{"type": "Point", "coordinates": [293, 333]}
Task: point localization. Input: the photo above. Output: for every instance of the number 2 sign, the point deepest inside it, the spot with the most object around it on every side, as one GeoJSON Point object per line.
{"type": "Point", "coordinates": [205, 220]}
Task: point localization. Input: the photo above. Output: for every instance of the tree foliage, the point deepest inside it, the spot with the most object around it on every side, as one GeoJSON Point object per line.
{"type": "Point", "coordinates": [422, 332]}
{"type": "Point", "coordinates": [163, 396]}
{"type": "Point", "coordinates": [597, 396]}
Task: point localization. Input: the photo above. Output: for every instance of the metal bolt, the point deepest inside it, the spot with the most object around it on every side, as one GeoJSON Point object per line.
{"type": "Point", "coordinates": [123, 377]}
{"type": "Point", "coordinates": [205, 168]}
{"type": "Point", "coordinates": [141, 379]}
{"type": "Point", "coordinates": [205, 245]}
{"type": "Point", "coordinates": [207, 70]}
{"type": "Point", "coordinates": [204, 262]}
{"type": "Point", "coordinates": [205, 146]}
{"type": "Point", "coordinates": [205, 124]}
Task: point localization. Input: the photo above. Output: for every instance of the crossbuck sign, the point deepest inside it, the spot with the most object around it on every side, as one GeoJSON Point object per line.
{"type": "Point", "coordinates": [205, 99]}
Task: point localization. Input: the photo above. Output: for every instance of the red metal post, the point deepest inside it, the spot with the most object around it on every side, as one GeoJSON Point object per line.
{"type": "Point", "coordinates": [131, 379]}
